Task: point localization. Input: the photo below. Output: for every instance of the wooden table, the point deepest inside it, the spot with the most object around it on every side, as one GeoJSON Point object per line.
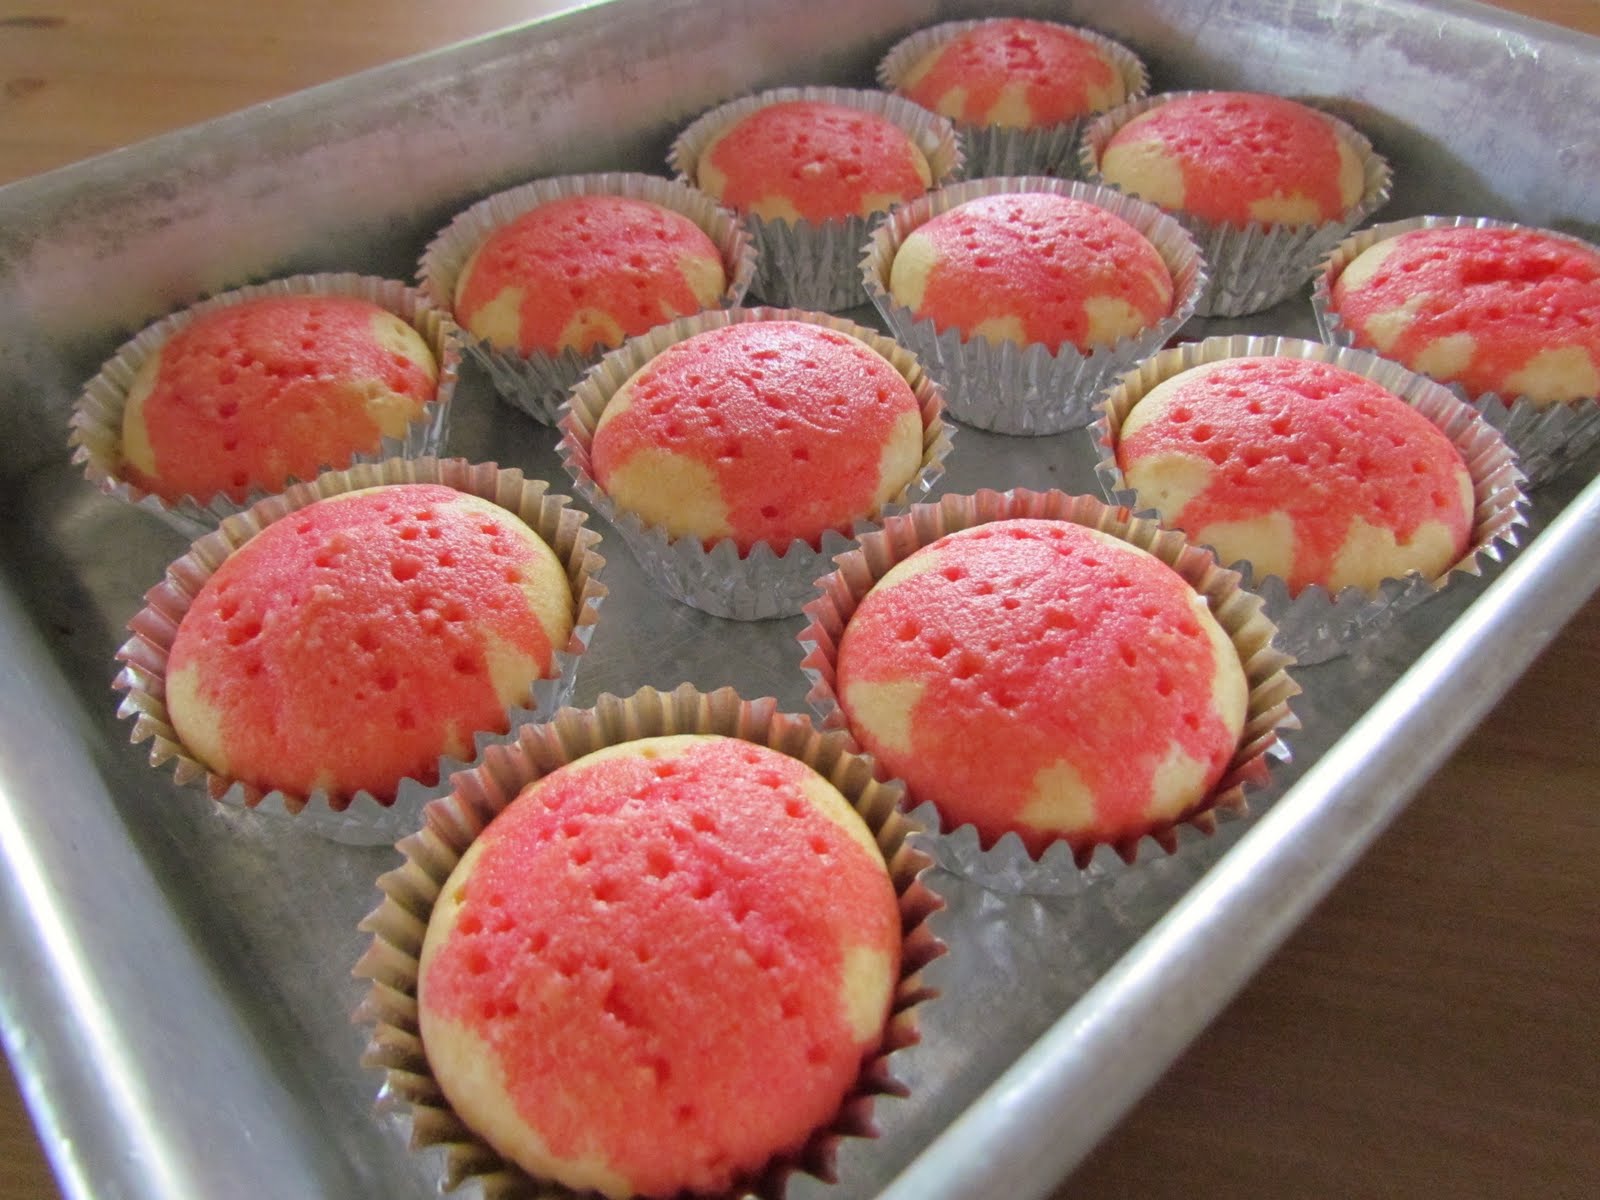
{"type": "Point", "coordinates": [1432, 1030]}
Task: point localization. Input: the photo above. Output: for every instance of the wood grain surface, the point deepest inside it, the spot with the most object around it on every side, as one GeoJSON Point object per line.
{"type": "Point", "coordinates": [1433, 1030]}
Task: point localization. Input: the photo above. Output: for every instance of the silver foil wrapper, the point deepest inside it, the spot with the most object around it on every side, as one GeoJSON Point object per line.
{"type": "Point", "coordinates": [1316, 624]}
{"type": "Point", "coordinates": [1029, 390]}
{"type": "Point", "coordinates": [769, 581]}
{"type": "Point", "coordinates": [1006, 865]}
{"type": "Point", "coordinates": [1252, 266]}
{"type": "Point", "coordinates": [95, 435]}
{"type": "Point", "coordinates": [1547, 438]}
{"type": "Point", "coordinates": [991, 150]}
{"type": "Point", "coordinates": [452, 823]}
{"type": "Point", "coordinates": [813, 264]}
{"type": "Point", "coordinates": [364, 820]}
{"type": "Point", "coordinates": [537, 383]}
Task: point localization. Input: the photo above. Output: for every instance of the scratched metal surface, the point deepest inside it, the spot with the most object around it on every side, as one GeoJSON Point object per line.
{"type": "Point", "coordinates": [176, 991]}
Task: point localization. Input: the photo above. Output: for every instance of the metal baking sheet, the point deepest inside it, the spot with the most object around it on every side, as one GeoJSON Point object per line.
{"type": "Point", "coordinates": [176, 994]}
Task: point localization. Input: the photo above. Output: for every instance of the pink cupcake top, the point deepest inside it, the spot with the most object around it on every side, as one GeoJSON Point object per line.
{"type": "Point", "coordinates": [353, 642]}
{"type": "Point", "coordinates": [763, 431]}
{"type": "Point", "coordinates": [1042, 678]}
{"type": "Point", "coordinates": [661, 966]}
{"type": "Point", "coordinates": [257, 393]}
{"type": "Point", "coordinates": [584, 272]}
{"type": "Point", "coordinates": [1307, 470]}
{"type": "Point", "coordinates": [1236, 158]}
{"type": "Point", "coordinates": [1032, 268]}
{"type": "Point", "coordinates": [811, 160]}
{"type": "Point", "coordinates": [1510, 311]}
{"type": "Point", "coordinates": [1015, 72]}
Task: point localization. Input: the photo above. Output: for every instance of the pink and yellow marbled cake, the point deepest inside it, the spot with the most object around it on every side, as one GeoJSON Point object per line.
{"type": "Point", "coordinates": [1514, 312]}
{"type": "Point", "coordinates": [812, 160]}
{"type": "Point", "coordinates": [585, 273]}
{"type": "Point", "coordinates": [1043, 678]}
{"type": "Point", "coordinates": [1307, 470]}
{"type": "Point", "coordinates": [1015, 73]}
{"type": "Point", "coordinates": [662, 966]}
{"type": "Point", "coordinates": [352, 643]}
{"type": "Point", "coordinates": [252, 395]}
{"type": "Point", "coordinates": [1235, 158]}
{"type": "Point", "coordinates": [760, 431]}
{"type": "Point", "coordinates": [1032, 267]}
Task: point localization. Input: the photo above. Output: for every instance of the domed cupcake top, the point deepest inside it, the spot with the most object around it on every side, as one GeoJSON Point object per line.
{"type": "Point", "coordinates": [1515, 312]}
{"type": "Point", "coordinates": [586, 271]}
{"type": "Point", "coordinates": [352, 643]}
{"type": "Point", "coordinates": [762, 431]}
{"type": "Point", "coordinates": [812, 160]}
{"type": "Point", "coordinates": [1016, 73]}
{"type": "Point", "coordinates": [1305, 469]}
{"type": "Point", "coordinates": [1042, 678]}
{"type": "Point", "coordinates": [1236, 158]}
{"type": "Point", "coordinates": [661, 966]}
{"type": "Point", "coordinates": [1032, 267]}
{"type": "Point", "coordinates": [254, 394]}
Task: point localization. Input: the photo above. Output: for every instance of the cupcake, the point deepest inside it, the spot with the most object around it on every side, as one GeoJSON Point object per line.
{"type": "Point", "coordinates": [737, 452]}
{"type": "Point", "coordinates": [1018, 90]}
{"type": "Point", "coordinates": [1265, 184]}
{"type": "Point", "coordinates": [662, 953]}
{"type": "Point", "coordinates": [547, 277]}
{"type": "Point", "coordinates": [214, 407]}
{"type": "Point", "coordinates": [808, 168]}
{"type": "Point", "coordinates": [339, 644]}
{"type": "Point", "coordinates": [1506, 315]}
{"type": "Point", "coordinates": [1048, 675]}
{"type": "Point", "coordinates": [1027, 295]}
{"type": "Point", "coordinates": [1351, 487]}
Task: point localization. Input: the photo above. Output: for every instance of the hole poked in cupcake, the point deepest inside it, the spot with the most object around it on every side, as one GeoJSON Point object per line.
{"type": "Point", "coordinates": [1304, 469]}
{"type": "Point", "coordinates": [688, 999]}
{"type": "Point", "coordinates": [812, 160]}
{"type": "Point", "coordinates": [1508, 311]}
{"type": "Point", "coordinates": [253, 394]}
{"type": "Point", "coordinates": [1105, 703]}
{"type": "Point", "coordinates": [1032, 268]}
{"type": "Point", "coordinates": [586, 272]}
{"type": "Point", "coordinates": [1235, 158]}
{"type": "Point", "coordinates": [762, 431]}
{"type": "Point", "coordinates": [353, 643]}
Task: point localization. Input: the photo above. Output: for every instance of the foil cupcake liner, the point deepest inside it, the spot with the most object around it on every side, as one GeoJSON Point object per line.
{"type": "Point", "coordinates": [363, 820]}
{"type": "Point", "coordinates": [1547, 438]}
{"type": "Point", "coordinates": [769, 581]}
{"type": "Point", "coordinates": [1257, 265]}
{"type": "Point", "coordinates": [453, 822]}
{"type": "Point", "coordinates": [1028, 390]}
{"type": "Point", "coordinates": [95, 427]}
{"type": "Point", "coordinates": [991, 150]}
{"type": "Point", "coordinates": [1006, 865]}
{"type": "Point", "coordinates": [537, 383]}
{"type": "Point", "coordinates": [812, 264]}
{"type": "Point", "coordinates": [1317, 624]}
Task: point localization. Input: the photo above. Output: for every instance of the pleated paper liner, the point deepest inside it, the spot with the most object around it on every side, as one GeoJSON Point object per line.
{"type": "Point", "coordinates": [1028, 390]}
{"type": "Point", "coordinates": [769, 581]}
{"type": "Point", "coordinates": [1006, 865]}
{"type": "Point", "coordinates": [1547, 438]}
{"type": "Point", "coordinates": [537, 383]}
{"type": "Point", "coordinates": [362, 819]}
{"type": "Point", "coordinates": [96, 423]}
{"type": "Point", "coordinates": [1252, 266]}
{"type": "Point", "coordinates": [451, 823]}
{"type": "Point", "coordinates": [813, 264]}
{"type": "Point", "coordinates": [1316, 625]}
{"type": "Point", "coordinates": [993, 150]}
